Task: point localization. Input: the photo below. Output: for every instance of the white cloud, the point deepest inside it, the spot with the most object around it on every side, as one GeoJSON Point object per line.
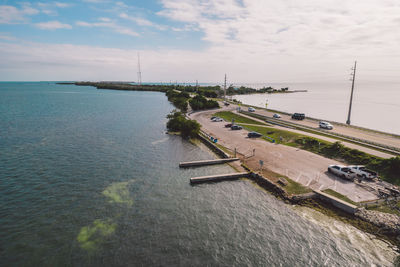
{"type": "Point", "coordinates": [52, 25]}
{"type": "Point", "coordinates": [142, 21]}
{"type": "Point", "coordinates": [107, 23]}
{"type": "Point", "coordinates": [12, 15]}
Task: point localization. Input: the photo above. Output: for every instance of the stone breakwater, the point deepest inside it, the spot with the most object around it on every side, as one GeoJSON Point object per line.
{"type": "Point", "coordinates": [388, 224]}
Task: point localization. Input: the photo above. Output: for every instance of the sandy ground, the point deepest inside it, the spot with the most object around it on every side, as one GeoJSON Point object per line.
{"type": "Point", "coordinates": [299, 165]}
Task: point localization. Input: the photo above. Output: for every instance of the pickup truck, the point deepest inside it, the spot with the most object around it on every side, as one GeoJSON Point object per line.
{"type": "Point", "coordinates": [342, 171]}
{"type": "Point", "coordinates": [363, 172]}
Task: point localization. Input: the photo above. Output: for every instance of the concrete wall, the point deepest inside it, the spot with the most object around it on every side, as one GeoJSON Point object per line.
{"type": "Point", "coordinates": [347, 207]}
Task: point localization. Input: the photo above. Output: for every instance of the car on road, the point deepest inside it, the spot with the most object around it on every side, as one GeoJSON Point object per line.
{"type": "Point", "coordinates": [325, 125]}
{"type": "Point", "coordinates": [342, 171]}
{"type": "Point", "coordinates": [298, 116]}
{"type": "Point", "coordinates": [217, 119]}
{"type": "Point", "coordinates": [250, 109]}
{"type": "Point", "coordinates": [226, 103]}
{"type": "Point", "coordinates": [254, 134]}
{"type": "Point", "coordinates": [228, 125]}
{"type": "Point", "coordinates": [236, 127]}
{"type": "Point", "coordinates": [363, 172]}
{"type": "Point", "coordinates": [213, 117]}
{"type": "Point", "coordinates": [276, 116]}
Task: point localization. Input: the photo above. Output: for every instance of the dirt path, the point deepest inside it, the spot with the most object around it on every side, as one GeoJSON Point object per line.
{"type": "Point", "coordinates": [302, 166]}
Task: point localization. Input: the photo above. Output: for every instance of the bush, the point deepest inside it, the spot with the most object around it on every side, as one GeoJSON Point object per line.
{"type": "Point", "coordinates": [199, 102]}
{"type": "Point", "coordinates": [178, 123]}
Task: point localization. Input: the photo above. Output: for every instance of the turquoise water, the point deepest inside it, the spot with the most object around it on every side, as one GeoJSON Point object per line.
{"type": "Point", "coordinates": [89, 178]}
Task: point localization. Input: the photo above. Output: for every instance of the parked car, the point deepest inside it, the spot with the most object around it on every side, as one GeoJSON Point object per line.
{"type": "Point", "coordinates": [254, 134]}
{"type": "Point", "coordinates": [342, 171]}
{"type": "Point", "coordinates": [217, 119]}
{"type": "Point", "coordinates": [325, 125]}
{"type": "Point", "coordinates": [276, 116]}
{"type": "Point", "coordinates": [298, 116]}
{"type": "Point", "coordinates": [236, 127]}
{"type": "Point", "coordinates": [226, 103]}
{"type": "Point", "coordinates": [228, 125]}
{"type": "Point", "coordinates": [213, 117]}
{"type": "Point", "coordinates": [363, 172]}
{"type": "Point", "coordinates": [251, 109]}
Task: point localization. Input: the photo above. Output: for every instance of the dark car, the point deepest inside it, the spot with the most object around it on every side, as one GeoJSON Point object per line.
{"type": "Point", "coordinates": [226, 103]}
{"type": "Point", "coordinates": [228, 125]}
{"type": "Point", "coordinates": [236, 127]}
{"type": "Point", "coordinates": [254, 134]}
{"type": "Point", "coordinates": [298, 116]}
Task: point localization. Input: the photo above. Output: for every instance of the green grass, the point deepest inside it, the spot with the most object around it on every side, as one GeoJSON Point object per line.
{"type": "Point", "coordinates": [295, 188]}
{"type": "Point", "coordinates": [339, 196]}
{"type": "Point", "coordinates": [385, 208]}
{"type": "Point", "coordinates": [280, 136]}
{"type": "Point", "coordinates": [228, 116]}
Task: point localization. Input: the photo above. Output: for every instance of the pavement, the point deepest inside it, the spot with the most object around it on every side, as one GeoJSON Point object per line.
{"type": "Point", "coordinates": [299, 165]}
{"type": "Point", "coordinates": [355, 132]}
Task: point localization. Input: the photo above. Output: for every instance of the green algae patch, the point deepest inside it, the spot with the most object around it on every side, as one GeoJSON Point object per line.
{"type": "Point", "coordinates": [90, 237]}
{"type": "Point", "coordinates": [119, 193]}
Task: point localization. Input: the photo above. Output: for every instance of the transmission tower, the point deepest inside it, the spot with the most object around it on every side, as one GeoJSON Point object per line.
{"type": "Point", "coordinates": [353, 74]}
{"type": "Point", "coordinates": [139, 73]}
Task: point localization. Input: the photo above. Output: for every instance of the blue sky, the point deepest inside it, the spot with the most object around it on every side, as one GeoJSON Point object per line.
{"type": "Point", "coordinates": [188, 40]}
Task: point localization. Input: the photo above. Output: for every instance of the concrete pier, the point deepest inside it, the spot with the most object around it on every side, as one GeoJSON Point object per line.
{"type": "Point", "coordinates": [219, 177]}
{"type": "Point", "coordinates": [205, 162]}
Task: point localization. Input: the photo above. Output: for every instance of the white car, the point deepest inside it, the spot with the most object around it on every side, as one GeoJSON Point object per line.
{"type": "Point", "coordinates": [251, 109]}
{"type": "Point", "coordinates": [325, 125]}
{"type": "Point", "coordinates": [342, 171]}
{"type": "Point", "coordinates": [276, 116]}
{"type": "Point", "coordinates": [217, 119]}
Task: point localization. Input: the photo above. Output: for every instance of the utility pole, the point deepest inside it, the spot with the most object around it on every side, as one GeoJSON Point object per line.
{"type": "Point", "coordinates": [225, 88]}
{"type": "Point", "coordinates": [352, 89]}
{"type": "Point", "coordinates": [139, 72]}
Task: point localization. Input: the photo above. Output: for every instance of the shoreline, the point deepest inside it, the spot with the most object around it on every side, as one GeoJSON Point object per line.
{"type": "Point", "coordinates": [316, 203]}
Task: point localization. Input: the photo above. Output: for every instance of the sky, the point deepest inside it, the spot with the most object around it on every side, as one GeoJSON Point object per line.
{"type": "Point", "coordinates": [187, 40]}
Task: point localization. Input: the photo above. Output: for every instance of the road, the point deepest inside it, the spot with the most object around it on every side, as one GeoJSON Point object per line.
{"type": "Point", "coordinates": [299, 165]}
{"type": "Point", "coordinates": [369, 135]}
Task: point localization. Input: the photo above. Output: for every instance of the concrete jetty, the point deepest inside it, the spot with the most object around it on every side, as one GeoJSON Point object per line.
{"type": "Point", "coordinates": [205, 162]}
{"type": "Point", "coordinates": [218, 178]}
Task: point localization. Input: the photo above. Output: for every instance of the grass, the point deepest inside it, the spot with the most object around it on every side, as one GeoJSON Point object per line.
{"type": "Point", "coordinates": [280, 136]}
{"type": "Point", "coordinates": [339, 196]}
{"type": "Point", "coordinates": [292, 188]}
{"type": "Point", "coordinates": [228, 116]}
{"type": "Point", "coordinates": [386, 208]}
{"type": "Point", "coordinates": [295, 188]}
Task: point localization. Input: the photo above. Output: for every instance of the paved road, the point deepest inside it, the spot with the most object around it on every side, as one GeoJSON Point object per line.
{"type": "Point", "coordinates": [380, 138]}
{"type": "Point", "coordinates": [299, 165]}
{"type": "Point", "coordinates": [332, 140]}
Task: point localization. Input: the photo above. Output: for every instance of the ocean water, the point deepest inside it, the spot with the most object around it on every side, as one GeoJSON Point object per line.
{"type": "Point", "coordinates": [89, 178]}
{"type": "Point", "coordinates": [375, 105]}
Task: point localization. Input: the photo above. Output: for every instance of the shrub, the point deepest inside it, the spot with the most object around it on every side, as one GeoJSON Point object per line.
{"type": "Point", "coordinates": [178, 123]}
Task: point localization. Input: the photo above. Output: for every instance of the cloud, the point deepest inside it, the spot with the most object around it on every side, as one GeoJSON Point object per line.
{"type": "Point", "coordinates": [50, 8]}
{"type": "Point", "coordinates": [13, 15]}
{"type": "Point", "coordinates": [52, 25]}
{"type": "Point", "coordinates": [108, 23]}
{"type": "Point", "coordinates": [142, 21]}
{"type": "Point", "coordinates": [4, 36]}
